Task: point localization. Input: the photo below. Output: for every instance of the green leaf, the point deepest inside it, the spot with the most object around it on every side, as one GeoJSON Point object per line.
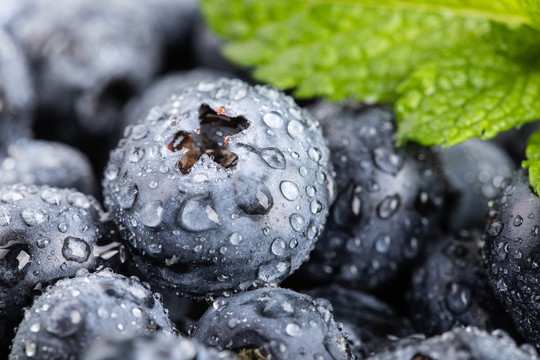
{"type": "Point", "coordinates": [533, 161]}
{"type": "Point", "coordinates": [477, 91]}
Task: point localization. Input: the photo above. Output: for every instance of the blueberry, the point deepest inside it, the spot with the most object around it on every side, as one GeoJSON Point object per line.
{"type": "Point", "coordinates": [449, 287]}
{"type": "Point", "coordinates": [165, 87]}
{"type": "Point", "coordinates": [46, 234]}
{"type": "Point", "coordinates": [16, 92]}
{"type": "Point", "coordinates": [275, 322]}
{"type": "Point", "coordinates": [156, 346]}
{"type": "Point", "coordinates": [88, 60]}
{"type": "Point", "coordinates": [511, 250]}
{"type": "Point", "coordinates": [224, 187]}
{"type": "Point", "coordinates": [70, 315]}
{"type": "Point", "coordinates": [459, 344]}
{"type": "Point", "coordinates": [476, 170]}
{"type": "Point", "coordinates": [368, 321]}
{"type": "Point", "coordinates": [389, 201]}
{"type": "Point", "coordinates": [46, 163]}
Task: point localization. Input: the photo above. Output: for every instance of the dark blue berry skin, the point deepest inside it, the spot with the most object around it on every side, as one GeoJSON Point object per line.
{"type": "Point", "coordinates": [476, 170]}
{"type": "Point", "coordinates": [46, 234]}
{"type": "Point", "coordinates": [511, 250]}
{"type": "Point", "coordinates": [41, 162]}
{"type": "Point", "coordinates": [87, 62]}
{"type": "Point", "coordinates": [16, 92]}
{"type": "Point", "coordinates": [156, 346]}
{"type": "Point", "coordinates": [389, 200]}
{"type": "Point", "coordinates": [163, 88]}
{"type": "Point", "coordinates": [241, 208]}
{"type": "Point", "coordinates": [449, 287]}
{"type": "Point", "coordinates": [280, 323]}
{"type": "Point", "coordinates": [368, 321]}
{"type": "Point", "coordinates": [459, 344]}
{"type": "Point", "coordinates": [70, 315]}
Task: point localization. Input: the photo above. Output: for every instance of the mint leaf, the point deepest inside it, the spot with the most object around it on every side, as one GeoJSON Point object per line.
{"type": "Point", "coordinates": [533, 161]}
{"type": "Point", "coordinates": [455, 69]}
{"type": "Point", "coordinates": [473, 92]}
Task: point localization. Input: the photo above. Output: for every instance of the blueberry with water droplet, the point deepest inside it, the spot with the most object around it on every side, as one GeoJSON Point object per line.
{"type": "Point", "coordinates": [244, 171]}
{"type": "Point", "coordinates": [46, 234]}
{"type": "Point", "coordinates": [70, 315]}
{"type": "Point", "coordinates": [389, 200]}
{"type": "Point", "coordinates": [511, 251]}
{"type": "Point", "coordinates": [465, 343]}
{"type": "Point", "coordinates": [277, 323]}
{"type": "Point", "coordinates": [449, 287]}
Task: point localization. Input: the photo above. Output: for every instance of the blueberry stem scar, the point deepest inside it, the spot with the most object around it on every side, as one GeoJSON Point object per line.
{"type": "Point", "coordinates": [211, 138]}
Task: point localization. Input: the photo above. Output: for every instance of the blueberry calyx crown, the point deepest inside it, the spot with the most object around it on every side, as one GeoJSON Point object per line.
{"type": "Point", "coordinates": [210, 138]}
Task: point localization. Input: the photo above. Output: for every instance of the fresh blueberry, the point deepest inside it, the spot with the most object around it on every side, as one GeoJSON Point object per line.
{"type": "Point", "coordinates": [368, 321]}
{"type": "Point", "coordinates": [46, 234]}
{"type": "Point", "coordinates": [156, 346]}
{"type": "Point", "coordinates": [70, 315]}
{"type": "Point", "coordinates": [40, 162]}
{"type": "Point", "coordinates": [389, 201]}
{"type": "Point", "coordinates": [88, 59]}
{"type": "Point", "coordinates": [449, 287]}
{"type": "Point", "coordinates": [165, 87]}
{"type": "Point", "coordinates": [512, 254]}
{"type": "Point", "coordinates": [476, 170]}
{"type": "Point", "coordinates": [16, 92]}
{"type": "Point", "coordinates": [274, 322]}
{"type": "Point", "coordinates": [222, 188]}
{"type": "Point", "coordinates": [459, 344]}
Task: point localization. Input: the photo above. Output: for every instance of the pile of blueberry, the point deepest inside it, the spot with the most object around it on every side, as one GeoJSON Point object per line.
{"type": "Point", "coordinates": [156, 203]}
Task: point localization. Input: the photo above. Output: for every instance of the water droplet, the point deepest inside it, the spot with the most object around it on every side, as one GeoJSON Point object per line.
{"type": "Point", "coordinates": [293, 329]}
{"type": "Point", "coordinates": [153, 184]}
{"type": "Point", "coordinates": [62, 227]}
{"type": "Point", "coordinates": [289, 190]}
{"type": "Point", "coordinates": [535, 230]}
{"type": "Point", "coordinates": [42, 242]}
{"type": "Point", "coordinates": [303, 171]}
{"type": "Point", "coordinates": [33, 217]}
{"type": "Point", "coordinates": [382, 244]}
{"type": "Point", "coordinates": [315, 154]}
{"type": "Point", "coordinates": [311, 191]}
{"type": "Point", "coordinates": [278, 247]}
{"type": "Point", "coordinates": [51, 196]}
{"type": "Point", "coordinates": [152, 214]}
{"type": "Point", "coordinates": [387, 160]}
{"type": "Point", "coordinates": [65, 319]}
{"type": "Point", "coordinates": [127, 196]}
{"type": "Point", "coordinates": [11, 196]}
{"type": "Point", "coordinates": [198, 214]}
{"type": "Point", "coordinates": [295, 129]}
{"type": "Point", "coordinates": [136, 154]}
{"type": "Point", "coordinates": [315, 206]}
{"type": "Point", "coordinates": [495, 228]}
{"type": "Point", "coordinates": [518, 221]}
{"type": "Point", "coordinates": [35, 327]}
{"type": "Point", "coordinates": [458, 297]}
{"type": "Point", "coordinates": [273, 120]}
{"type": "Point", "coordinates": [273, 157]}
{"type": "Point", "coordinates": [30, 348]}
{"type": "Point", "coordinates": [139, 132]}
{"type": "Point", "coordinates": [111, 172]}
{"type": "Point", "coordinates": [236, 239]}
{"type": "Point", "coordinates": [5, 220]}
{"type": "Point", "coordinates": [388, 206]}
{"type": "Point", "coordinates": [273, 272]}
{"type": "Point", "coordinates": [79, 200]}
{"type": "Point", "coordinates": [297, 222]}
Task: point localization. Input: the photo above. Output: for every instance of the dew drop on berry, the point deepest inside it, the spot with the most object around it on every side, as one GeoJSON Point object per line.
{"type": "Point", "coordinates": [51, 196]}
{"type": "Point", "coordinates": [458, 297]}
{"type": "Point", "coordinates": [139, 132]}
{"type": "Point", "coordinates": [289, 190]}
{"type": "Point", "coordinates": [388, 206]}
{"type": "Point", "coordinates": [79, 200]}
{"type": "Point", "coordinates": [315, 154]}
{"type": "Point", "coordinates": [42, 242]}
{"type": "Point", "coordinates": [311, 191]}
{"type": "Point", "coordinates": [136, 154]}
{"type": "Point", "coordinates": [518, 220]}
{"type": "Point", "coordinates": [387, 161]}
{"type": "Point", "coordinates": [127, 196]}
{"type": "Point", "coordinates": [382, 244]}
{"type": "Point", "coordinates": [293, 329]}
{"type": "Point", "coordinates": [33, 217]}
{"type": "Point", "coordinates": [535, 230]}
{"type": "Point", "coordinates": [273, 119]}
{"type": "Point", "coordinates": [273, 157]}
{"type": "Point", "coordinates": [278, 247]}
{"type": "Point", "coordinates": [152, 214]}
{"type": "Point", "coordinates": [295, 129]}
{"type": "Point", "coordinates": [315, 206]}
{"type": "Point", "coordinates": [30, 348]}
{"type": "Point", "coordinates": [495, 228]}
{"type": "Point", "coordinates": [236, 238]}
{"type": "Point", "coordinates": [297, 222]}
{"type": "Point", "coordinates": [5, 220]}
{"type": "Point", "coordinates": [197, 214]}
{"type": "Point", "coordinates": [65, 319]}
